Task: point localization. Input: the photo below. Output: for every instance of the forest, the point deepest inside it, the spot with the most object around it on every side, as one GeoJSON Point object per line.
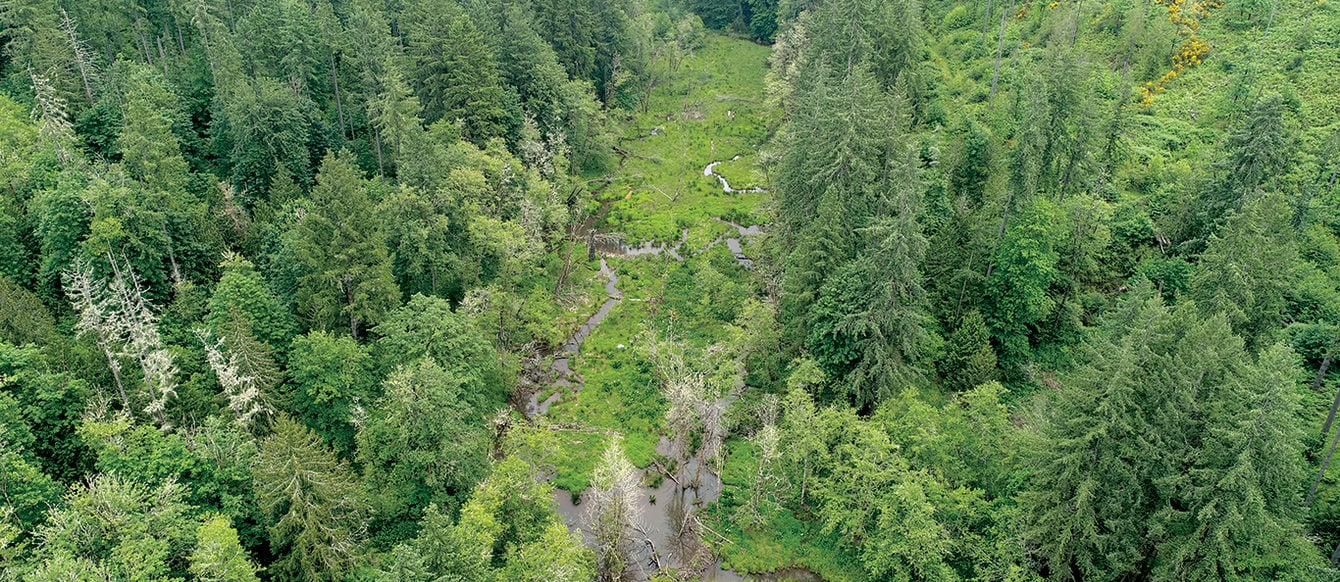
{"type": "Point", "coordinates": [669, 290]}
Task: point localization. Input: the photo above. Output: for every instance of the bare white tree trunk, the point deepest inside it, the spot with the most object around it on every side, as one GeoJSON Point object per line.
{"type": "Point", "coordinates": [767, 440]}
{"type": "Point", "coordinates": [613, 516]}
{"type": "Point", "coordinates": [140, 327]}
{"type": "Point", "coordinates": [242, 389]}
{"type": "Point", "coordinates": [54, 124]}
{"type": "Point", "coordinates": [83, 59]}
{"type": "Point", "coordinates": [88, 296]}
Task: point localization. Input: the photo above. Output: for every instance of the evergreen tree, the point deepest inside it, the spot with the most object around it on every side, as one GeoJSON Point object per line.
{"type": "Point", "coordinates": [1241, 516]}
{"type": "Point", "coordinates": [149, 149]}
{"type": "Point", "coordinates": [1166, 446]}
{"type": "Point", "coordinates": [315, 506]}
{"type": "Point", "coordinates": [456, 75]}
{"type": "Point", "coordinates": [394, 113]}
{"type": "Point", "coordinates": [261, 123]}
{"type": "Point", "coordinates": [62, 223]}
{"type": "Point", "coordinates": [241, 293]}
{"type": "Point", "coordinates": [346, 272]}
{"type": "Point", "coordinates": [1248, 268]}
{"type": "Point", "coordinates": [1090, 500]}
{"type": "Point", "coordinates": [1018, 288]}
{"type": "Point", "coordinates": [969, 360]}
{"type": "Point", "coordinates": [973, 169]}
{"type": "Point", "coordinates": [895, 322]}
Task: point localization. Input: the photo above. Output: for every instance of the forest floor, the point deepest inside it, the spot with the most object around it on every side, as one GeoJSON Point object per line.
{"type": "Point", "coordinates": [662, 196]}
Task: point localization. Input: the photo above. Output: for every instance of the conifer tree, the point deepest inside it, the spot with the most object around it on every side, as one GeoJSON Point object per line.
{"type": "Point", "coordinates": [422, 443]}
{"type": "Point", "coordinates": [149, 149]}
{"type": "Point", "coordinates": [969, 358]}
{"type": "Point", "coordinates": [241, 293]}
{"type": "Point", "coordinates": [394, 113]}
{"type": "Point", "coordinates": [346, 277]}
{"type": "Point", "coordinates": [1248, 268]}
{"type": "Point", "coordinates": [261, 123]}
{"type": "Point", "coordinates": [315, 506]}
{"type": "Point", "coordinates": [1242, 508]}
{"type": "Point", "coordinates": [1088, 502]}
{"type": "Point", "coordinates": [456, 75]}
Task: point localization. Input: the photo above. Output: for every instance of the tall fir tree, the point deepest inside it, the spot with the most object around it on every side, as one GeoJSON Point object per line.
{"type": "Point", "coordinates": [346, 281]}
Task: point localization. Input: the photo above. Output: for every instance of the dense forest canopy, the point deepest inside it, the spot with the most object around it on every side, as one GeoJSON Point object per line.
{"type": "Point", "coordinates": [569, 290]}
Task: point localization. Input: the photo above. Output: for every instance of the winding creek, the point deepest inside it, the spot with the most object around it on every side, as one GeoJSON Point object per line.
{"type": "Point", "coordinates": [669, 508]}
{"type": "Point", "coordinates": [710, 171]}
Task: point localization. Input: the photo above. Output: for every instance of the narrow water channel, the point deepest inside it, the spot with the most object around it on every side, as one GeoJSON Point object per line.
{"type": "Point", "coordinates": [710, 171]}
{"type": "Point", "coordinates": [667, 508]}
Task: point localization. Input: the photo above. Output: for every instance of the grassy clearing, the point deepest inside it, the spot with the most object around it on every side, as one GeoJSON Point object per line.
{"type": "Point", "coordinates": [743, 173]}
{"type": "Point", "coordinates": [711, 109]}
{"type": "Point", "coordinates": [620, 392]}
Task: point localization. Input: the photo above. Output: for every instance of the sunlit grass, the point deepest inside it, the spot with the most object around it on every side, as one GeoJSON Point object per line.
{"type": "Point", "coordinates": [712, 109]}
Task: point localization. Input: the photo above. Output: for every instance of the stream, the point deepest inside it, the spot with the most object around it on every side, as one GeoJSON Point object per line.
{"type": "Point", "coordinates": [667, 508]}
{"type": "Point", "coordinates": [710, 170]}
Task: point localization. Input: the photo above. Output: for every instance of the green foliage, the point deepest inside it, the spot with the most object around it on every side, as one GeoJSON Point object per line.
{"type": "Point", "coordinates": [840, 301]}
{"type": "Point", "coordinates": [973, 170]}
{"type": "Point", "coordinates": [422, 443]}
{"type": "Point", "coordinates": [23, 318]}
{"type": "Point", "coordinates": [314, 505]}
{"type": "Point", "coordinates": [149, 149]}
{"type": "Point", "coordinates": [1247, 269]}
{"type": "Point", "coordinates": [218, 557]}
{"type": "Point", "coordinates": [123, 529]}
{"type": "Point", "coordinates": [62, 221]}
{"type": "Point", "coordinates": [261, 124]}
{"type": "Point", "coordinates": [346, 280]}
{"type": "Point", "coordinates": [215, 460]}
{"type": "Point", "coordinates": [996, 177]}
{"type": "Point", "coordinates": [1017, 290]}
{"type": "Point", "coordinates": [1118, 463]}
{"type": "Point", "coordinates": [51, 405]}
{"type": "Point", "coordinates": [242, 293]}
{"type": "Point", "coordinates": [428, 238]}
{"type": "Point", "coordinates": [969, 359]}
{"type": "Point", "coordinates": [455, 74]}
{"type": "Point", "coordinates": [507, 531]}
{"type": "Point", "coordinates": [28, 491]}
{"type": "Point", "coordinates": [329, 380]}
{"type": "Point", "coordinates": [426, 327]}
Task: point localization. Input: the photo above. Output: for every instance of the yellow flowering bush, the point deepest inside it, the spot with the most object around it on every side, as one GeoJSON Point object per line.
{"type": "Point", "coordinates": [1186, 14]}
